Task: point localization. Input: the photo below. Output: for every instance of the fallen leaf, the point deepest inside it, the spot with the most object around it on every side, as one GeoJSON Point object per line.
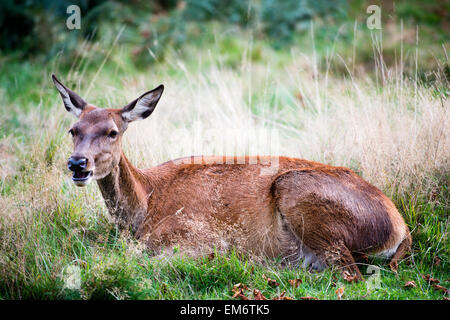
{"type": "Point", "coordinates": [441, 288]}
{"type": "Point", "coordinates": [308, 298]}
{"type": "Point", "coordinates": [340, 293]}
{"type": "Point", "coordinates": [270, 281]}
{"type": "Point", "coordinates": [211, 256]}
{"type": "Point", "coordinates": [295, 282]}
{"type": "Point", "coordinates": [348, 277]}
{"type": "Point", "coordinates": [394, 266]}
{"type": "Point", "coordinates": [283, 297]}
{"type": "Point", "coordinates": [410, 284]}
{"type": "Point", "coordinates": [239, 286]}
{"type": "Point", "coordinates": [241, 295]}
{"type": "Point", "coordinates": [258, 295]}
{"type": "Point", "coordinates": [429, 279]}
{"type": "Point", "coordinates": [239, 290]}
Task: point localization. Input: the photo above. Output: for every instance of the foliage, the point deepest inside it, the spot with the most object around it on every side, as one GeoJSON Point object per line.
{"type": "Point", "coordinates": [24, 25]}
{"type": "Point", "coordinates": [36, 28]}
{"type": "Point", "coordinates": [282, 18]}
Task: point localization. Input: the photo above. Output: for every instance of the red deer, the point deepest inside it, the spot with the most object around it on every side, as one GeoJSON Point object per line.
{"type": "Point", "coordinates": [321, 214]}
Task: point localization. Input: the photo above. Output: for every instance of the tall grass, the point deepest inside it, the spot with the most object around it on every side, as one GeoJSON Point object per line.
{"type": "Point", "coordinates": [394, 134]}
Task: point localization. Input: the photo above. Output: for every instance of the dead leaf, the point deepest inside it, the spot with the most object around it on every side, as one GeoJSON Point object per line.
{"type": "Point", "coordinates": [295, 282]}
{"type": "Point", "coordinates": [394, 266]}
{"type": "Point", "coordinates": [270, 281]}
{"type": "Point", "coordinates": [239, 290]}
{"type": "Point", "coordinates": [258, 295]}
{"type": "Point", "coordinates": [441, 288]}
{"type": "Point", "coordinates": [410, 284]}
{"type": "Point", "coordinates": [429, 279]}
{"type": "Point", "coordinates": [308, 298]}
{"type": "Point", "coordinates": [241, 295]}
{"type": "Point", "coordinates": [340, 293]}
{"type": "Point", "coordinates": [240, 286]}
{"type": "Point", "coordinates": [348, 277]}
{"type": "Point", "coordinates": [283, 297]}
{"type": "Point", "coordinates": [211, 256]}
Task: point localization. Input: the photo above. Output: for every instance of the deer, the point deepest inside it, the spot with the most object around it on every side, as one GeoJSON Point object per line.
{"type": "Point", "coordinates": [304, 212]}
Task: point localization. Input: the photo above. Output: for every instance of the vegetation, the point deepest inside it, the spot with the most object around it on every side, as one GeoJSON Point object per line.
{"type": "Point", "coordinates": [376, 101]}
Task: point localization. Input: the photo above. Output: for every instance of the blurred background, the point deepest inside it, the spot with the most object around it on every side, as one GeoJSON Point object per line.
{"type": "Point", "coordinates": [35, 30]}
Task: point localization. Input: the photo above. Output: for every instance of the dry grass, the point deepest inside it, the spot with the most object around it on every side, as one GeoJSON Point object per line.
{"type": "Point", "coordinates": [396, 138]}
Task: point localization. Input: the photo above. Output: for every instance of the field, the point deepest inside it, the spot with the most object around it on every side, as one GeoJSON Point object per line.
{"type": "Point", "coordinates": [386, 117]}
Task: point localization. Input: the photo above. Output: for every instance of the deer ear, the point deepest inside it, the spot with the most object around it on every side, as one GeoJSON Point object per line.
{"type": "Point", "coordinates": [143, 106]}
{"type": "Point", "coordinates": [72, 102]}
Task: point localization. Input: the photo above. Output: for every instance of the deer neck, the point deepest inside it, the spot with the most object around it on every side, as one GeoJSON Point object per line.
{"type": "Point", "coordinates": [126, 191]}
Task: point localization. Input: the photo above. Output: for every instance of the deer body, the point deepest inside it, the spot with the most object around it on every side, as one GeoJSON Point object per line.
{"type": "Point", "coordinates": [305, 210]}
{"type": "Point", "coordinates": [224, 205]}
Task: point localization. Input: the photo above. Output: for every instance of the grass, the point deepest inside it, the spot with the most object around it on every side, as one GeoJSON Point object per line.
{"type": "Point", "coordinates": [113, 266]}
{"type": "Point", "coordinates": [394, 133]}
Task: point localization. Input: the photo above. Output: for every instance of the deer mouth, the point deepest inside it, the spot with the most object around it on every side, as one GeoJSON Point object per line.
{"type": "Point", "coordinates": [81, 177]}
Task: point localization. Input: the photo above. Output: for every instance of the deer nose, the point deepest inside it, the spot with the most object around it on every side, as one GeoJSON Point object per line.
{"type": "Point", "coordinates": [77, 164]}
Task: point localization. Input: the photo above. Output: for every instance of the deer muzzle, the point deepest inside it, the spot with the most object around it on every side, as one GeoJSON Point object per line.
{"type": "Point", "coordinates": [81, 175]}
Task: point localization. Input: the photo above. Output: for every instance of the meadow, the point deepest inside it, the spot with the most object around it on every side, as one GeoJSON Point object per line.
{"type": "Point", "coordinates": [386, 120]}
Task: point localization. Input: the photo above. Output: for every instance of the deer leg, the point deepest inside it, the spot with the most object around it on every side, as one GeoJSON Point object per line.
{"type": "Point", "coordinates": [338, 254]}
{"type": "Point", "coordinates": [322, 245]}
{"type": "Point", "coordinates": [402, 250]}
{"type": "Point", "coordinates": [347, 262]}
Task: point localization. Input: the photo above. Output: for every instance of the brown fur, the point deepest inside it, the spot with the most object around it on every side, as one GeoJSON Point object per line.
{"type": "Point", "coordinates": [323, 213]}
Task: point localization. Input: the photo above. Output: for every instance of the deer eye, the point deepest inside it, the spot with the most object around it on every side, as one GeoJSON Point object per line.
{"type": "Point", "coordinates": [72, 132]}
{"type": "Point", "coordinates": [113, 134]}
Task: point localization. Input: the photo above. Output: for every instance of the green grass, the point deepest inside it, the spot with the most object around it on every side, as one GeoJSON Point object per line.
{"type": "Point", "coordinates": [112, 266]}
{"type": "Point", "coordinates": [48, 227]}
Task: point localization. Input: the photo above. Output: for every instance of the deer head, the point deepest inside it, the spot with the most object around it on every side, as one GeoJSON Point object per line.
{"type": "Point", "coordinates": [97, 134]}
